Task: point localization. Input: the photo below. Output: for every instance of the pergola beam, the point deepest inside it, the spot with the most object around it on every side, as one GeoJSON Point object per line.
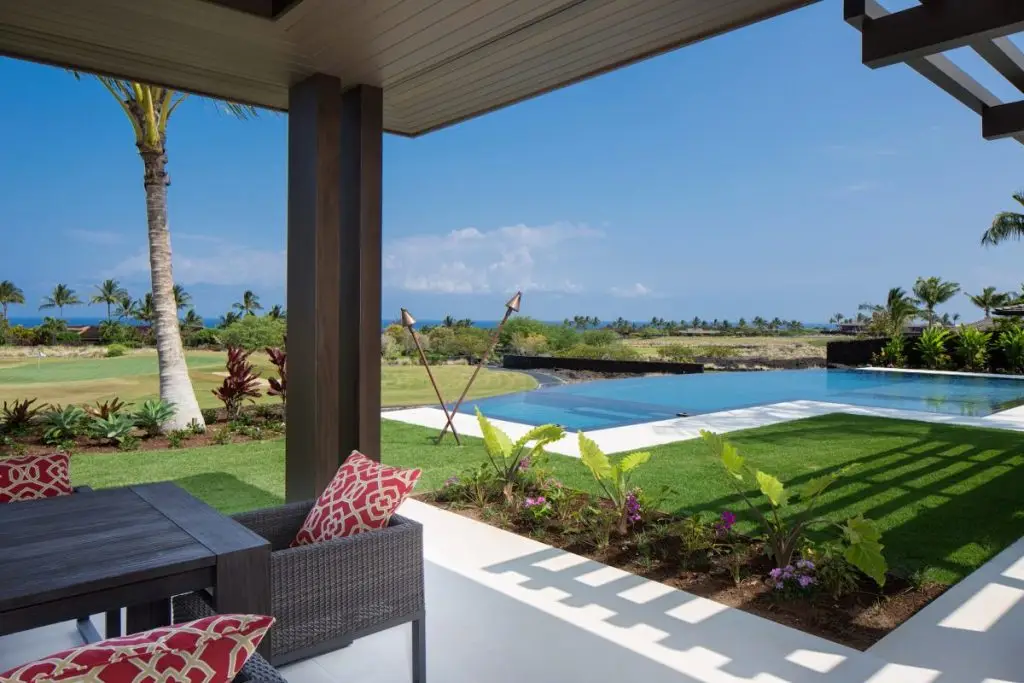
{"type": "Point", "coordinates": [932, 28]}
{"type": "Point", "coordinates": [1003, 121]}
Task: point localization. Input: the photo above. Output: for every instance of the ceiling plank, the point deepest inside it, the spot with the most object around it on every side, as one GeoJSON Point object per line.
{"type": "Point", "coordinates": [1003, 121]}
{"type": "Point", "coordinates": [1005, 57]}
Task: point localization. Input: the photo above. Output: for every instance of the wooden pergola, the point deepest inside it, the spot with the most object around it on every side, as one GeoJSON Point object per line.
{"type": "Point", "coordinates": [346, 71]}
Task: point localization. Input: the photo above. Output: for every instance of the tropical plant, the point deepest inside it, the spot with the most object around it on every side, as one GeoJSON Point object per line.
{"type": "Point", "coordinates": [614, 479]}
{"type": "Point", "coordinates": [145, 309]}
{"type": "Point", "coordinates": [837, 319]}
{"type": "Point", "coordinates": [254, 332]}
{"type": "Point", "coordinates": [203, 337]}
{"type": "Point", "coordinates": [1006, 225]}
{"type": "Point", "coordinates": [241, 383]}
{"type": "Point", "coordinates": [114, 428]}
{"type": "Point", "coordinates": [989, 299]}
{"type": "Point", "coordinates": [181, 298]}
{"type": "Point", "coordinates": [277, 312]}
{"type": "Point", "coordinates": [149, 109]}
{"type": "Point", "coordinates": [63, 423]}
{"type": "Point", "coordinates": [932, 347]}
{"type": "Point", "coordinates": [228, 319]}
{"type": "Point", "coordinates": [249, 304]}
{"type": "Point", "coordinates": [972, 347]}
{"type": "Point", "coordinates": [279, 384]}
{"type": "Point", "coordinates": [785, 528]}
{"type": "Point", "coordinates": [1011, 341]}
{"type": "Point", "coordinates": [153, 416]}
{"type": "Point", "coordinates": [10, 294]}
{"type": "Point", "coordinates": [61, 296]}
{"type": "Point", "coordinates": [126, 307]}
{"type": "Point", "coordinates": [109, 292]}
{"type": "Point", "coordinates": [116, 350]}
{"type": "Point", "coordinates": [508, 459]}
{"type": "Point", "coordinates": [892, 317]}
{"type": "Point", "coordinates": [50, 330]}
{"type": "Point", "coordinates": [932, 291]}
{"type": "Point", "coordinates": [19, 414]}
{"type": "Point", "coordinates": [192, 322]}
{"type": "Point", "coordinates": [106, 409]}
{"type": "Point", "coordinates": [893, 354]}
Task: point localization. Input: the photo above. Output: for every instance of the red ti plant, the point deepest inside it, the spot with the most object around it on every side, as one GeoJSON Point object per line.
{"type": "Point", "coordinates": [278, 385]}
{"type": "Point", "coordinates": [241, 383]}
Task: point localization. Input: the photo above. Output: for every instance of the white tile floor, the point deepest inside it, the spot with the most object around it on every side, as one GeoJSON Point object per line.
{"type": "Point", "coordinates": [505, 609]}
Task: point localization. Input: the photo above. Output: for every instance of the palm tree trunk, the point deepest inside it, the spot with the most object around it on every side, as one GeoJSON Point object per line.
{"type": "Point", "coordinates": [175, 384]}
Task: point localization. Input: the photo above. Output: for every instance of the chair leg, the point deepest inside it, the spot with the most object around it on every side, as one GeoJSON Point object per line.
{"type": "Point", "coordinates": [113, 624]}
{"type": "Point", "coordinates": [419, 651]}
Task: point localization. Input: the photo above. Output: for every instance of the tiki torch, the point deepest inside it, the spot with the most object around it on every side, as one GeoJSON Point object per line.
{"type": "Point", "coordinates": [408, 321]}
{"type": "Point", "coordinates": [512, 306]}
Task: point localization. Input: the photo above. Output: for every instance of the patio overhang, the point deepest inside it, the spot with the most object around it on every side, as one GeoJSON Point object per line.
{"type": "Point", "coordinates": [919, 36]}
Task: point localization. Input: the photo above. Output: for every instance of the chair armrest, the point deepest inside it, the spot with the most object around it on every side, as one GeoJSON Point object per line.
{"type": "Point", "coordinates": [279, 525]}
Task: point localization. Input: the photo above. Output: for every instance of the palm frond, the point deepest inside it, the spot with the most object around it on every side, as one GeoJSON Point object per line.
{"type": "Point", "coordinates": [1007, 225]}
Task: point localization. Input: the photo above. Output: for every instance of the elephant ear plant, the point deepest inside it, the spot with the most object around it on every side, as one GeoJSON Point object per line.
{"type": "Point", "coordinates": [614, 479]}
{"type": "Point", "coordinates": [785, 523]}
{"type": "Point", "coordinates": [509, 459]}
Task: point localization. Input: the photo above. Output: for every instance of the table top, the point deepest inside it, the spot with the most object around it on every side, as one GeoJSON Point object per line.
{"type": "Point", "coordinates": [69, 545]}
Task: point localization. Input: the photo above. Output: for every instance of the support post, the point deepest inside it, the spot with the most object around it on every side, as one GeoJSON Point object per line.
{"type": "Point", "coordinates": [334, 248]}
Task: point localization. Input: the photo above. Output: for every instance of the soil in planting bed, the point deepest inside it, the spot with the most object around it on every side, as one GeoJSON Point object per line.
{"type": "Point", "coordinates": [857, 620]}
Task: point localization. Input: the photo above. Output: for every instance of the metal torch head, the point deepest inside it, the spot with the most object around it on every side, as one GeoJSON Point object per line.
{"type": "Point", "coordinates": [514, 302]}
{"type": "Point", "coordinates": [407, 319]}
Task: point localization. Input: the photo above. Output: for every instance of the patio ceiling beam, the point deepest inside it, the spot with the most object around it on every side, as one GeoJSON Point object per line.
{"type": "Point", "coordinates": [1005, 57]}
{"type": "Point", "coordinates": [1003, 121]}
{"type": "Point", "coordinates": [935, 27]}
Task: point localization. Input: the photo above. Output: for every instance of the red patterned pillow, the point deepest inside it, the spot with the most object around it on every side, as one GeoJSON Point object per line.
{"type": "Point", "coordinates": [209, 650]}
{"type": "Point", "coordinates": [362, 497]}
{"type": "Point", "coordinates": [30, 477]}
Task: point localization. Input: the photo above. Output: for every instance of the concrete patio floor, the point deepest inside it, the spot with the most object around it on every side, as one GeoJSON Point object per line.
{"type": "Point", "coordinates": [504, 609]}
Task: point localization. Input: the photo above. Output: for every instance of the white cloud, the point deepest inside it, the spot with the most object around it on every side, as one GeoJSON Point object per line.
{"type": "Point", "coordinates": [218, 263]}
{"type": "Point", "coordinates": [637, 289]}
{"type": "Point", "coordinates": [469, 260]}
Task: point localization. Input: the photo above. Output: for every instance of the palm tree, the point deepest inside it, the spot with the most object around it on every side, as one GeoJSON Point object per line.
{"type": "Point", "coordinates": [276, 312]}
{"type": "Point", "coordinates": [61, 296]}
{"type": "Point", "coordinates": [10, 294]}
{"type": "Point", "coordinates": [931, 292]}
{"type": "Point", "coordinates": [192, 321]}
{"type": "Point", "coordinates": [989, 299]}
{"type": "Point", "coordinates": [109, 292]}
{"type": "Point", "coordinates": [181, 298]}
{"type": "Point", "coordinates": [228, 318]}
{"type": "Point", "coordinates": [145, 309]}
{"type": "Point", "coordinates": [837, 319]}
{"type": "Point", "coordinates": [149, 108]}
{"type": "Point", "coordinates": [249, 304]}
{"type": "Point", "coordinates": [899, 309]}
{"type": "Point", "coordinates": [126, 307]}
{"type": "Point", "coordinates": [448, 321]}
{"type": "Point", "coordinates": [1006, 225]}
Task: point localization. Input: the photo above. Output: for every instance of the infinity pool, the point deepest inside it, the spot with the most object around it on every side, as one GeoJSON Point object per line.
{"type": "Point", "coordinates": [611, 403]}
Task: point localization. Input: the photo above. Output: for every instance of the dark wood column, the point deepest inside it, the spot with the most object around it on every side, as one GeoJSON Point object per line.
{"type": "Point", "coordinates": [334, 268]}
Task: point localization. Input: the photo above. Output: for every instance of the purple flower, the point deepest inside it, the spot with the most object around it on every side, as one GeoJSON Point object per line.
{"type": "Point", "coordinates": [775, 573]}
{"type": "Point", "coordinates": [524, 464]}
{"type": "Point", "coordinates": [534, 502]}
{"type": "Point", "coordinates": [779, 585]}
{"type": "Point", "coordinates": [805, 564]}
{"type": "Point", "coordinates": [806, 581]}
{"type": "Point", "coordinates": [633, 509]}
{"type": "Point", "coordinates": [728, 519]}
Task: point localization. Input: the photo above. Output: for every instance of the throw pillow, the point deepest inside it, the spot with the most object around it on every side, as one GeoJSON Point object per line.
{"type": "Point", "coordinates": [30, 477]}
{"type": "Point", "coordinates": [361, 497]}
{"type": "Point", "coordinates": [209, 650]}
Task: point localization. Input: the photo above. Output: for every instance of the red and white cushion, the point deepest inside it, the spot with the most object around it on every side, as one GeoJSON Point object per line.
{"type": "Point", "coordinates": [362, 497]}
{"type": "Point", "coordinates": [209, 650]}
{"type": "Point", "coordinates": [30, 477]}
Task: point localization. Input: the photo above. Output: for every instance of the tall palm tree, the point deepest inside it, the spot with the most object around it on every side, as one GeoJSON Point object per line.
{"type": "Point", "coordinates": [249, 304]}
{"type": "Point", "coordinates": [837, 319]}
{"type": "Point", "coordinates": [192, 321]}
{"type": "Point", "coordinates": [148, 109]}
{"type": "Point", "coordinates": [890, 318]}
{"type": "Point", "coordinates": [126, 307]}
{"type": "Point", "coordinates": [61, 296]}
{"type": "Point", "coordinates": [932, 291]}
{"type": "Point", "coordinates": [109, 292]}
{"type": "Point", "coordinates": [277, 312]}
{"type": "Point", "coordinates": [989, 299]}
{"type": "Point", "coordinates": [1006, 225]}
{"type": "Point", "coordinates": [181, 298]}
{"type": "Point", "coordinates": [228, 318]}
{"type": "Point", "coordinates": [145, 309]}
{"type": "Point", "coordinates": [10, 294]}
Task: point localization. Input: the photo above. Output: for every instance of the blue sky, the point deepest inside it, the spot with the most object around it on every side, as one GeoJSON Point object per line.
{"type": "Point", "coordinates": [764, 172]}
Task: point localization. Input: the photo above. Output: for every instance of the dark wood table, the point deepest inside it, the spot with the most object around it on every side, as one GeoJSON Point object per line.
{"type": "Point", "coordinates": [136, 547]}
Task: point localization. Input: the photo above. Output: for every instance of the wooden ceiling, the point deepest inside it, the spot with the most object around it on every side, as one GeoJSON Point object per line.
{"type": "Point", "coordinates": [438, 61]}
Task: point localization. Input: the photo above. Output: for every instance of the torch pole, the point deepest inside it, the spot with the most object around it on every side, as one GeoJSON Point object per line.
{"type": "Point", "coordinates": [509, 308]}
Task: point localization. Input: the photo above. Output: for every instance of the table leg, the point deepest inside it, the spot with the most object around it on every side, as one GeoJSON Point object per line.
{"type": "Point", "coordinates": [148, 615]}
{"type": "Point", "coordinates": [243, 586]}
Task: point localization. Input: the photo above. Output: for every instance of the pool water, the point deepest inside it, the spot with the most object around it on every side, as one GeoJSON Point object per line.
{"type": "Point", "coordinates": [611, 403]}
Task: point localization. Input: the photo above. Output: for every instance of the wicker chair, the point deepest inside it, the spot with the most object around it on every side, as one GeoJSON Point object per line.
{"type": "Point", "coordinates": [326, 595]}
{"type": "Point", "coordinates": [258, 670]}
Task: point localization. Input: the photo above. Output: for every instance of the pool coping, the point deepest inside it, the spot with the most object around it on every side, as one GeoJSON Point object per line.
{"type": "Point", "coordinates": [948, 373]}
{"type": "Point", "coordinates": [660, 432]}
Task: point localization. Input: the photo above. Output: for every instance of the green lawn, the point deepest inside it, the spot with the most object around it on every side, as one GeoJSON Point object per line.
{"type": "Point", "coordinates": [134, 379]}
{"type": "Point", "coordinates": [947, 498]}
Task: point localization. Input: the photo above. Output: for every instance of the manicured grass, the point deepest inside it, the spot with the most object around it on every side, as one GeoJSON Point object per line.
{"type": "Point", "coordinates": [134, 379]}
{"type": "Point", "coordinates": [947, 498]}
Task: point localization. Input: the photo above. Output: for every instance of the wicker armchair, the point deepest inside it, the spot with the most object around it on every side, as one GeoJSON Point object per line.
{"type": "Point", "coordinates": [258, 670]}
{"type": "Point", "coordinates": [326, 595]}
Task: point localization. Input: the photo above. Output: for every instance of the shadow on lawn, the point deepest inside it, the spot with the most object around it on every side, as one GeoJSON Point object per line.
{"type": "Point", "coordinates": [227, 493]}
{"type": "Point", "coordinates": [944, 491]}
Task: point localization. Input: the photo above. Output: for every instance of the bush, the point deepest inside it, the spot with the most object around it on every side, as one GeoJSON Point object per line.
{"type": "Point", "coordinates": [111, 429]}
{"type": "Point", "coordinates": [598, 337]}
{"type": "Point", "coordinates": [893, 354]}
{"type": "Point", "coordinates": [209, 415]}
{"type": "Point", "coordinates": [63, 424]}
{"type": "Point", "coordinates": [613, 352]}
{"type": "Point", "coordinates": [19, 335]}
{"type": "Point", "coordinates": [459, 342]}
{"type": "Point", "coordinates": [177, 437]}
{"type": "Point", "coordinates": [241, 383]}
{"type": "Point", "coordinates": [972, 348]}
{"type": "Point", "coordinates": [279, 384]}
{"type": "Point", "coordinates": [932, 346]}
{"type": "Point", "coordinates": [116, 332]}
{"type": "Point", "coordinates": [1011, 341]}
{"type": "Point", "coordinates": [152, 415]}
{"type": "Point", "coordinates": [19, 415]}
{"type": "Point", "coordinates": [528, 344]}
{"type": "Point", "coordinates": [204, 337]}
{"type": "Point", "coordinates": [254, 332]}
{"type": "Point", "coordinates": [677, 353]}
{"type": "Point", "coordinates": [116, 350]}
{"type": "Point", "coordinates": [106, 409]}
{"type": "Point", "coordinates": [523, 326]}
{"type": "Point", "coordinates": [614, 479]}
{"type": "Point", "coordinates": [390, 349]}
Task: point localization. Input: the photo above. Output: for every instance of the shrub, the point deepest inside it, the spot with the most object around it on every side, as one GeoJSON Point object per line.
{"type": "Point", "coordinates": [129, 442]}
{"type": "Point", "coordinates": [932, 346]}
{"type": "Point", "coordinates": [893, 354]}
{"type": "Point", "coordinates": [785, 528]}
{"type": "Point", "coordinates": [116, 350]}
{"type": "Point", "coordinates": [560, 337]}
{"type": "Point", "coordinates": [521, 326]}
{"type": "Point", "coordinates": [528, 344]}
{"type": "Point", "coordinates": [106, 409]}
{"type": "Point", "coordinates": [459, 342]}
{"type": "Point", "coordinates": [241, 383]}
{"type": "Point", "coordinates": [19, 335]}
{"type": "Point", "coordinates": [1011, 341]}
{"type": "Point", "coordinates": [152, 415]}
{"type": "Point", "coordinates": [222, 437]}
{"type": "Point", "coordinates": [63, 424]}
{"type": "Point", "coordinates": [209, 415]}
{"type": "Point", "coordinates": [598, 337]}
{"type": "Point", "coordinates": [614, 479]}
{"type": "Point", "coordinates": [613, 352]}
{"type": "Point", "coordinates": [116, 332]}
{"type": "Point", "coordinates": [177, 437]}
{"type": "Point", "coordinates": [253, 332]}
{"type": "Point", "coordinates": [834, 574]}
{"type": "Point", "coordinates": [204, 337]}
{"type": "Point", "coordinates": [112, 428]}
{"type": "Point", "coordinates": [390, 348]}
{"type": "Point", "coordinates": [510, 460]}
{"type": "Point", "coordinates": [677, 353]}
{"type": "Point", "coordinates": [972, 348]}
{"type": "Point", "coordinates": [18, 416]}
{"type": "Point", "coordinates": [279, 384]}
{"type": "Point", "coordinates": [195, 428]}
